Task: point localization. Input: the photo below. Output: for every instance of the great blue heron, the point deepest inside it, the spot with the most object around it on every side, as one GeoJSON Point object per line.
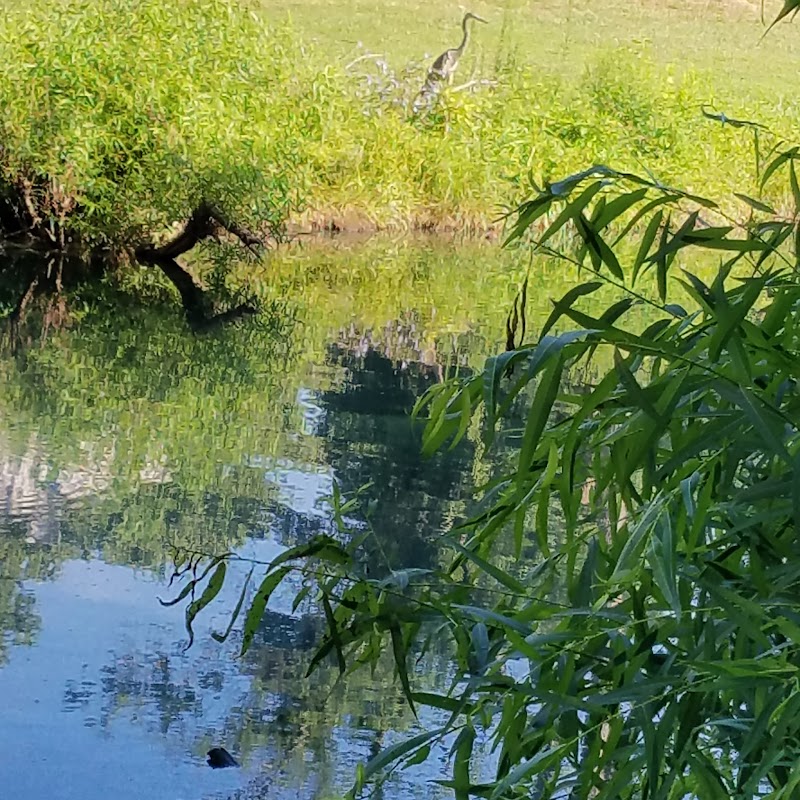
{"type": "Point", "coordinates": [443, 69]}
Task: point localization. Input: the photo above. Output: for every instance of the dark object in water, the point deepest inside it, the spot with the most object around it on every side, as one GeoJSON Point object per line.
{"type": "Point", "coordinates": [219, 757]}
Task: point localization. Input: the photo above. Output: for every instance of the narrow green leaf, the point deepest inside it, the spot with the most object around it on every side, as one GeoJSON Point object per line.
{"type": "Point", "coordinates": [618, 206]}
{"type": "Point", "coordinates": [192, 585]}
{"type": "Point", "coordinates": [493, 372]}
{"type": "Point", "coordinates": [209, 593]}
{"type": "Point", "coordinates": [662, 558]}
{"type": "Point", "coordinates": [637, 396]}
{"type": "Point", "coordinates": [441, 425]}
{"type": "Point", "coordinates": [639, 535]}
{"type": "Point", "coordinates": [236, 610]}
{"type": "Point", "coordinates": [394, 753]}
{"type": "Point", "coordinates": [503, 578]}
{"type": "Point", "coordinates": [642, 213]}
{"type": "Point", "coordinates": [497, 619]}
{"type": "Point", "coordinates": [648, 238]}
{"type": "Point", "coordinates": [184, 593]}
{"type": "Point", "coordinates": [662, 259]}
{"type": "Point", "coordinates": [333, 633]}
{"type": "Point", "coordinates": [441, 701]}
{"type": "Point", "coordinates": [758, 205]}
{"type": "Point", "coordinates": [463, 756]}
{"type": "Point", "coordinates": [400, 660]}
{"type": "Point", "coordinates": [567, 301]}
{"type": "Point", "coordinates": [418, 758]}
{"type": "Point", "coordinates": [527, 214]}
{"type": "Point", "coordinates": [538, 415]}
{"type": "Point", "coordinates": [789, 7]}
{"type": "Point", "coordinates": [323, 547]}
{"type": "Point", "coordinates": [464, 404]}
{"type": "Point", "coordinates": [731, 318]}
{"type": "Point", "coordinates": [259, 605]}
{"type": "Point", "coordinates": [528, 769]}
{"type": "Point", "coordinates": [600, 252]}
{"type": "Point", "coordinates": [479, 637]}
{"type": "Point", "coordinates": [729, 245]}
{"type": "Point", "coordinates": [570, 211]}
{"type": "Point", "coordinates": [795, 186]}
{"type": "Point", "coordinates": [754, 410]}
{"type": "Point", "coordinates": [672, 244]}
{"type": "Point", "coordinates": [779, 161]}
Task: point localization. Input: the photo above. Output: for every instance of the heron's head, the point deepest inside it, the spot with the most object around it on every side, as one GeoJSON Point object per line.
{"type": "Point", "coordinates": [469, 15]}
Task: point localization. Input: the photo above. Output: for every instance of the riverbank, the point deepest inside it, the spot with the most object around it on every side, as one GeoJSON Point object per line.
{"type": "Point", "coordinates": [111, 132]}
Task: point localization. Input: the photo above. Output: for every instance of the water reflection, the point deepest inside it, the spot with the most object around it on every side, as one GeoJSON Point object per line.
{"type": "Point", "coordinates": [124, 437]}
{"type": "Point", "coordinates": [369, 439]}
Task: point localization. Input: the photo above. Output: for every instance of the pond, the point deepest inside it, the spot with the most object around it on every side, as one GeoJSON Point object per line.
{"type": "Point", "coordinates": [124, 436]}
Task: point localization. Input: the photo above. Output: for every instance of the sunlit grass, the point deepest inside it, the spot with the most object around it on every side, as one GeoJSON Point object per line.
{"type": "Point", "coordinates": [102, 103]}
{"type": "Point", "coordinates": [561, 37]}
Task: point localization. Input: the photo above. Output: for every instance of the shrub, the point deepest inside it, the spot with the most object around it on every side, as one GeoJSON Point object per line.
{"type": "Point", "coordinates": [118, 117]}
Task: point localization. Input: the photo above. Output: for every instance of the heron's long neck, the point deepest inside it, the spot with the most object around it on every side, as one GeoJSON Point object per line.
{"type": "Point", "coordinates": [465, 38]}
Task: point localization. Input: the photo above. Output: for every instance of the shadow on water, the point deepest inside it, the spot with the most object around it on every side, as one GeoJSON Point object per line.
{"type": "Point", "coordinates": [124, 436]}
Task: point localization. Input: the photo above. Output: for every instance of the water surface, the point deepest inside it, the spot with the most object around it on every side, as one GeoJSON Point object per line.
{"type": "Point", "coordinates": [123, 436]}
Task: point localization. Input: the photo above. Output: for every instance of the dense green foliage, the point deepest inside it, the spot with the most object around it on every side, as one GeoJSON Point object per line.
{"type": "Point", "coordinates": [621, 606]}
{"type": "Point", "coordinates": [118, 118]}
{"type": "Point", "coordinates": [122, 116]}
{"type": "Point", "coordinates": [653, 650]}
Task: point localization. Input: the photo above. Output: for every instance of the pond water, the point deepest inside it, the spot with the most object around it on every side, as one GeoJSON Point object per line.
{"type": "Point", "coordinates": [123, 435]}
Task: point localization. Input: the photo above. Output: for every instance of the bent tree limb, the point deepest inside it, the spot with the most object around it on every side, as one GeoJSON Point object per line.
{"type": "Point", "coordinates": [205, 221]}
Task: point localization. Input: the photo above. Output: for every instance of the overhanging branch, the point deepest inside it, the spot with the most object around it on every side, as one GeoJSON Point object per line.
{"type": "Point", "coordinates": [205, 221]}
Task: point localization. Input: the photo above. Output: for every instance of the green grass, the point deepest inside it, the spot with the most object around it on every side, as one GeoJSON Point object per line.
{"type": "Point", "coordinates": [561, 37]}
{"type": "Point", "coordinates": [124, 114]}
{"type": "Point", "coordinates": [622, 82]}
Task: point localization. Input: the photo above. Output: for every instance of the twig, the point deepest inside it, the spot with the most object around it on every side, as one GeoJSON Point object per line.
{"type": "Point", "coordinates": [363, 58]}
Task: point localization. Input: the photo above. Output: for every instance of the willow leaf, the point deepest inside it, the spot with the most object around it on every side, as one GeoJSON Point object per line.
{"type": "Point", "coordinates": [236, 611]}
{"type": "Point", "coordinates": [256, 611]}
{"type": "Point", "coordinates": [209, 593]}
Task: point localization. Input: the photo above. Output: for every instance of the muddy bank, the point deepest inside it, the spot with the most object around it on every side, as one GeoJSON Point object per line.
{"type": "Point", "coordinates": [357, 221]}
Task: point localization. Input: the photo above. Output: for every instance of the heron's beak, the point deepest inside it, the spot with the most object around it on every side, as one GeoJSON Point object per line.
{"type": "Point", "coordinates": [480, 19]}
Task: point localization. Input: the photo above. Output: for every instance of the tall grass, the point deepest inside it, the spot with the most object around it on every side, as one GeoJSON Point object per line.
{"type": "Point", "coordinates": [120, 116]}
{"type": "Point", "coordinates": [483, 149]}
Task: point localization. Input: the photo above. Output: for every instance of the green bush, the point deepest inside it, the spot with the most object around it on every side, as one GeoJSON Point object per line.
{"type": "Point", "coordinates": [121, 115]}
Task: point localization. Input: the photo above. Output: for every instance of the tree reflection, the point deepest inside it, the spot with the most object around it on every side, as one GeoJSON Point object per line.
{"type": "Point", "coordinates": [140, 437]}
{"type": "Point", "coordinates": [369, 438]}
{"type": "Point", "coordinates": [152, 681]}
{"type": "Point", "coordinates": [19, 622]}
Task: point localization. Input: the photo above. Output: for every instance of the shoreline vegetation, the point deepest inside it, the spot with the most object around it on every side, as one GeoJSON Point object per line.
{"type": "Point", "coordinates": [124, 122]}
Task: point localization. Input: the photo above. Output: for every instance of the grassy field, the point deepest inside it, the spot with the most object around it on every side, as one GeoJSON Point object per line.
{"type": "Point", "coordinates": [561, 37]}
{"type": "Point", "coordinates": [574, 83]}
